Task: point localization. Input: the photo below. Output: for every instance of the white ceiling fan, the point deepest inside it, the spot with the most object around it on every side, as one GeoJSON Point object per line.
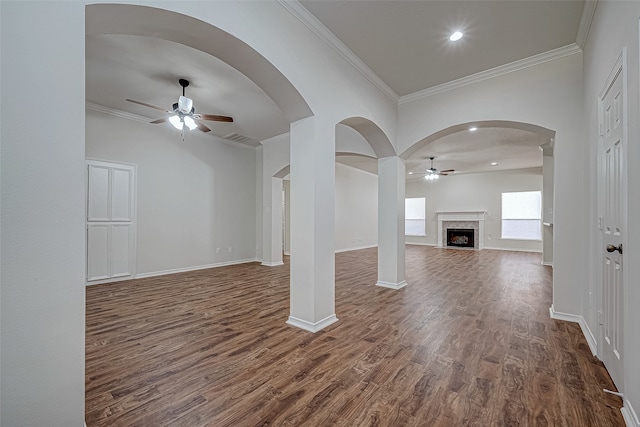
{"type": "Point", "coordinates": [433, 173]}
{"type": "Point", "coordinates": [183, 113]}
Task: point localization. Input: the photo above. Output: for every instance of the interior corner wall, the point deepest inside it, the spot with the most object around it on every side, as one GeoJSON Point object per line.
{"type": "Point", "coordinates": [475, 192]}
{"type": "Point", "coordinates": [259, 201]}
{"type": "Point", "coordinates": [42, 210]}
{"type": "Point", "coordinates": [193, 197]}
{"type": "Point", "coordinates": [356, 209]}
{"type": "Point", "coordinates": [616, 26]}
{"type": "Point", "coordinates": [275, 158]}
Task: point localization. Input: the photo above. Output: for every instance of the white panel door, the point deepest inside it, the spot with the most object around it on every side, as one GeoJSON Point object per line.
{"type": "Point", "coordinates": [613, 181]}
{"type": "Point", "coordinates": [98, 251]}
{"type": "Point", "coordinates": [120, 252]}
{"type": "Point", "coordinates": [121, 189]}
{"type": "Point", "coordinates": [98, 193]}
{"type": "Point", "coordinates": [110, 221]}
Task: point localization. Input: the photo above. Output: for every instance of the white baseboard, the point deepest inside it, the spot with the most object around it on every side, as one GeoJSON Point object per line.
{"type": "Point", "coordinates": [195, 268]}
{"type": "Point", "coordinates": [558, 315]}
{"type": "Point", "coordinates": [630, 417]}
{"type": "Point", "coordinates": [512, 249]}
{"type": "Point", "coordinates": [312, 327]}
{"type": "Point", "coordinates": [588, 335]}
{"type": "Point", "coordinates": [591, 340]}
{"type": "Point", "coordinates": [548, 264]}
{"type": "Point", "coordinates": [357, 248]}
{"type": "Point", "coordinates": [392, 285]}
{"type": "Point", "coordinates": [420, 244]}
{"type": "Point", "coordinates": [272, 264]}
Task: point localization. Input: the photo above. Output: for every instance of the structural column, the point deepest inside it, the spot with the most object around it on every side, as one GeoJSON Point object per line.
{"type": "Point", "coordinates": [547, 203]}
{"type": "Point", "coordinates": [272, 222]}
{"type": "Point", "coordinates": [312, 288]}
{"type": "Point", "coordinates": [391, 187]}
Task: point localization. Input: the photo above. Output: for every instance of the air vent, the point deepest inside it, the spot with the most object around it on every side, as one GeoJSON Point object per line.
{"type": "Point", "coordinates": [236, 137]}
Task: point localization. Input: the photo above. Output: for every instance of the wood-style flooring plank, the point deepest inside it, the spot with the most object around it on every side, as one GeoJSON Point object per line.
{"type": "Point", "coordinates": [468, 342]}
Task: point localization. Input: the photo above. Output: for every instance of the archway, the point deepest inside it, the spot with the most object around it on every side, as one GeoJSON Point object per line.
{"type": "Point", "coordinates": [466, 148]}
{"type": "Point", "coordinates": [192, 32]}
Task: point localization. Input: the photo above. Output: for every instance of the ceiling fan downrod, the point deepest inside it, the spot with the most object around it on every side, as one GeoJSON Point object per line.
{"type": "Point", "coordinates": [184, 83]}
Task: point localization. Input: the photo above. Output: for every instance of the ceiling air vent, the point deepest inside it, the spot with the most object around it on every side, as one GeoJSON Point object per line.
{"type": "Point", "coordinates": [236, 137]}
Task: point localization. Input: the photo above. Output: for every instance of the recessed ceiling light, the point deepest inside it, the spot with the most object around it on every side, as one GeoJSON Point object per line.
{"type": "Point", "coordinates": [410, 173]}
{"type": "Point", "coordinates": [494, 164]}
{"type": "Point", "coordinates": [473, 129]}
{"type": "Point", "coordinates": [456, 36]}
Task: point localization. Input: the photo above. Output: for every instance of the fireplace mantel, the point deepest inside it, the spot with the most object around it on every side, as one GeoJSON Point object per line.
{"type": "Point", "coordinates": [461, 216]}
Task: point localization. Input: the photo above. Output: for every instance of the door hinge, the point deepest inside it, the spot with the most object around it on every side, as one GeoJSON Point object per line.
{"type": "Point", "coordinates": [600, 318]}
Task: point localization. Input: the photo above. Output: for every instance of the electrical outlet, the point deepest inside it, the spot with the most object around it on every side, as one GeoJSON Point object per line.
{"type": "Point", "coordinates": [217, 250]}
{"type": "Point", "coordinates": [230, 249]}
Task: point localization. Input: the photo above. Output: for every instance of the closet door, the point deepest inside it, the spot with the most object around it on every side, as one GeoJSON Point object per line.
{"type": "Point", "coordinates": [110, 221]}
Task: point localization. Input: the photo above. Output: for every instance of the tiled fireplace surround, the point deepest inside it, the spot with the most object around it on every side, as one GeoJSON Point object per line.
{"type": "Point", "coordinates": [466, 219]}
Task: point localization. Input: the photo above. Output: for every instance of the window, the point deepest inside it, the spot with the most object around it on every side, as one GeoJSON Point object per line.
{"type": "Point", "coordinates": [414, 217]}
{"type": "Point", "coordinates": [522, 215]}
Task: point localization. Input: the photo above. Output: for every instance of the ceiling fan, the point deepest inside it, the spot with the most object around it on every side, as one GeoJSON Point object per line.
{"type": "Point", "coordinates": [184, 113]}
{"type": "Point", "coordinates": [432, 173]}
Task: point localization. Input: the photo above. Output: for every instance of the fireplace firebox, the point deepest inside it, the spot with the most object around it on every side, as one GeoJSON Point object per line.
{"type": "Point", "coordinates": [460, 237]}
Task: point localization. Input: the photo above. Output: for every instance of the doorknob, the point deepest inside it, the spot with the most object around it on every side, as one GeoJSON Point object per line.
{"type": "Point", "coordinates": [611, 248]}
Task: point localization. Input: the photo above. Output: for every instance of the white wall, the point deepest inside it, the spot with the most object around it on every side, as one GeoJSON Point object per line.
{"type": "Point", "coordinates": [192, 197]}
{"type": "Point", "coordinates": [615, 25]}
{"type": "Point", "coordinates": [356, 209]}
{"type": "Point", "coordinates": [547, 95]}
{"type": "Point", "coordinates": [475, 192]}
{"type": "Point", "coordinates": [42, 200]}
{"type": "Point", "coordinates": [356, 224]}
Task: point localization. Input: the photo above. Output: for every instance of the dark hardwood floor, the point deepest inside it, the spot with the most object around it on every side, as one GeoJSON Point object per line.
{"type": "Point", "coordinates": [468, 342]}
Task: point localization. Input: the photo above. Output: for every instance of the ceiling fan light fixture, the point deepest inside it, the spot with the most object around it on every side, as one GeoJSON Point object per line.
{"type": "Point", "coordinates": [185, 104]}
{"type": "Point", "coordinates": [191, 124]}
{"type": "Point", "coordinates": [176, 122]}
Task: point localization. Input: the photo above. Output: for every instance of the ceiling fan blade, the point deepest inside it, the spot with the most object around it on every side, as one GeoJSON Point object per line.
{"type": "Point", "coordinates": [155, 122]}
{"type": "Point", "coordinates": [202, 127]}
{"type": "Point", "coordinates": [215, 118]}
{"type": "Point", "coordinates": [448, 171]}
{"type": "Point", "coordinates": [147, 105]}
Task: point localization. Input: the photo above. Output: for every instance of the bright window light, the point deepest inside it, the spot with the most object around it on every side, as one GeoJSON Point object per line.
{"type": "Point", "coordinates": [414, 216]}
{"type": "Point", "coordinates": [456, 36]}
{"type": "Point", "coordinates": [522, 215]}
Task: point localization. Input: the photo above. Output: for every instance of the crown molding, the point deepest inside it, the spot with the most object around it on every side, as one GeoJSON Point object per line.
{"type": "Point", "coordinates": [118, 113]}
{"type": "Point", "coordinates": [588, 11]}
{"type": "Point", "coordinates": [330, 39]}
{"type": "Point", "coordinates": [493, 72]}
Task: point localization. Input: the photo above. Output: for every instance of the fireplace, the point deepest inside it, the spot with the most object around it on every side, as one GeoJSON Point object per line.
{"type": "Point", "coordinates": [471, 221]}
{"type": "Point", "coordinates": [460, 237]}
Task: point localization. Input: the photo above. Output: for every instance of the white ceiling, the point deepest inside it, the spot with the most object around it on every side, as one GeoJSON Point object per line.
{"type": "Point", "coordinates": [406, 43]}
{"type": "Point", "coordinates": [403, 42]}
